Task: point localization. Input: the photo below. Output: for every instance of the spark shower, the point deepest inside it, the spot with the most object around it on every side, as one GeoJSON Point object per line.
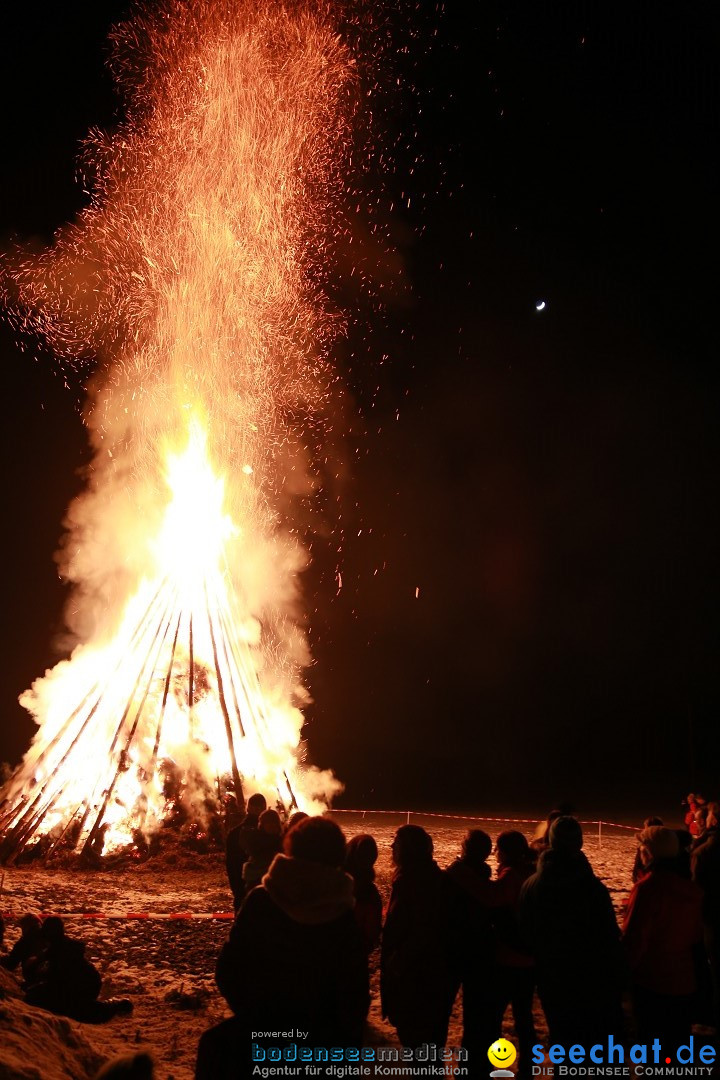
{"type": "Point", "coordinates": [191, 287]}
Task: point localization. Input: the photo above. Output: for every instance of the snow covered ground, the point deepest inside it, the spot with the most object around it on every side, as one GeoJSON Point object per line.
{"type": "Point", "coordinates": [167, 965]}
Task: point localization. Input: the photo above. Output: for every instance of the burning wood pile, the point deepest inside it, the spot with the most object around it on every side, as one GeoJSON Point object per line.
{"type": "Point", "coordinates": [175, 715]}
{"type": "Point", "coordinates": [191, 286]}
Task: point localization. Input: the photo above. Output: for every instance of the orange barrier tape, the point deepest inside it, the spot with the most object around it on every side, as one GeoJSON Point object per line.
{"type": "Point", "coordinates": [475, 817]}
{"type": "Point", "coordinates": [133, 915]}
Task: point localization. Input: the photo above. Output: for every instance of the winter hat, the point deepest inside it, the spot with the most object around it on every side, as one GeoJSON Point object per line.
{"type": "Point", "coordinates": [317, 840]}
{"type": "Point", "coordinates": [566, 834]}
{"type": "Point", "coordinates": [662, 843]}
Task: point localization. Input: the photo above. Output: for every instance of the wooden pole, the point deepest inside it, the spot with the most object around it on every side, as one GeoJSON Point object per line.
{"type": "Point", "coordinates": [57, 842]}
{"type": "Point", "coordinates": [90, 801]}
{"type": "Point", "coordinates": [99, 686]}
{"type": "Point", "coordinates": [239, 796]}
{"type": "Point", "coordinates": [166, 690]}
{"type": "Point", "coordinates": [258, 715]}
{"type": "Point", "coordinates": [232, 681]}
{"type": "Point", "coordinates": [191, 684]}
{"type": "Point", "coordinates": [122, 759]}
{"type": "Point", "coordinates": [31, 813]}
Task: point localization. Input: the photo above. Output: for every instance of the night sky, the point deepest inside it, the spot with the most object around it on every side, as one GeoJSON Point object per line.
{"type": "Point", "coordinates": [544, 481]}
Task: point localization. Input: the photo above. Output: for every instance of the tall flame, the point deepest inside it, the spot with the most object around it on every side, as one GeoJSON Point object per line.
{"type": "Point", "coordinates": [195, 275]}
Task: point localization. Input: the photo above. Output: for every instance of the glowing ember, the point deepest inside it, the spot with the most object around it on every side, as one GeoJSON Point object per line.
{"type": "Point", "coordinates": [193, 275]}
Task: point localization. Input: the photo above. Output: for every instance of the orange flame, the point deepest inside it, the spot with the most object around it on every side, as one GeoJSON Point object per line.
{"type": "Point", "coordinates": [193, 273]}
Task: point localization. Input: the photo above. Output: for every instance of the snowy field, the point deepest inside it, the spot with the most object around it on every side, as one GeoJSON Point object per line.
{"type": "Point", "coordinates": [167, 966]}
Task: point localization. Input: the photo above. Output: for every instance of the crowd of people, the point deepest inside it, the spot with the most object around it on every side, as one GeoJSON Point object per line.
{"type": "Point", "coordinates": [309, 917]}
{"type": "Point", "coordinates": [297, 954]}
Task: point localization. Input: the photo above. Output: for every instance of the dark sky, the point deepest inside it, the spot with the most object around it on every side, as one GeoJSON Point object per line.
{"type": "Point", "coordinates": [549, 483]}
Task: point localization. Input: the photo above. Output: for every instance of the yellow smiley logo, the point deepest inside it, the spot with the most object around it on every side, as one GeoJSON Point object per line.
{"type": "Point", "coordinates": [502, 1053]}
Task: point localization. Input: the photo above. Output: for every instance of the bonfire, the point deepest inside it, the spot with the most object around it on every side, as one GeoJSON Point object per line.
{"type": "Point", "coordinates": [191, 288]}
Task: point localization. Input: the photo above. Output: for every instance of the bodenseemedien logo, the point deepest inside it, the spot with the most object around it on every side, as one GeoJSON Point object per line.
{"type": "Point", "coordinates": [501, 1054]}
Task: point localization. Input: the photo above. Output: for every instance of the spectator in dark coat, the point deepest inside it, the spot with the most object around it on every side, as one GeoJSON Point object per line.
{"type": "Point", "coordinates": [362, 853]}
{"type": "Point", "coordinates": [295, 958]}
{"type": "Point", "coordinates": [662, 928]}
{"type": "Point", "coordinates": [262, 845]}
{"type": "Point", "coordinates": [510, 976]}
{"type": "Point", "coordinates": [566, 917]}
{"type": "Point", "coordinates": [514, 967]}
{"type": "Point", "coordinates": [475, 947]}
{"type": "Point", "coordinates": [236, 853]}
{"type": "Point", "coordinates": [66, 983]}
{"type": "Point", "coordinates": [706, 874]}
{"type": "Point", "coordinates": [418, 982]}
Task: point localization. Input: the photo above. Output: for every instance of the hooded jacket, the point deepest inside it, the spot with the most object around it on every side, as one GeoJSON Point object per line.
{"type": "Point", "coordinates": [296, 958]}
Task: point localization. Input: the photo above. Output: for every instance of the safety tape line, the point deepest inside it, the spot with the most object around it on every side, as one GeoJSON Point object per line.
{"type": "Point", "coordinates": [176, 916]}
{"type": "Point", "coordinates": [473, 817]}
{"type": "Point", "coordinates": [180, 916]}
